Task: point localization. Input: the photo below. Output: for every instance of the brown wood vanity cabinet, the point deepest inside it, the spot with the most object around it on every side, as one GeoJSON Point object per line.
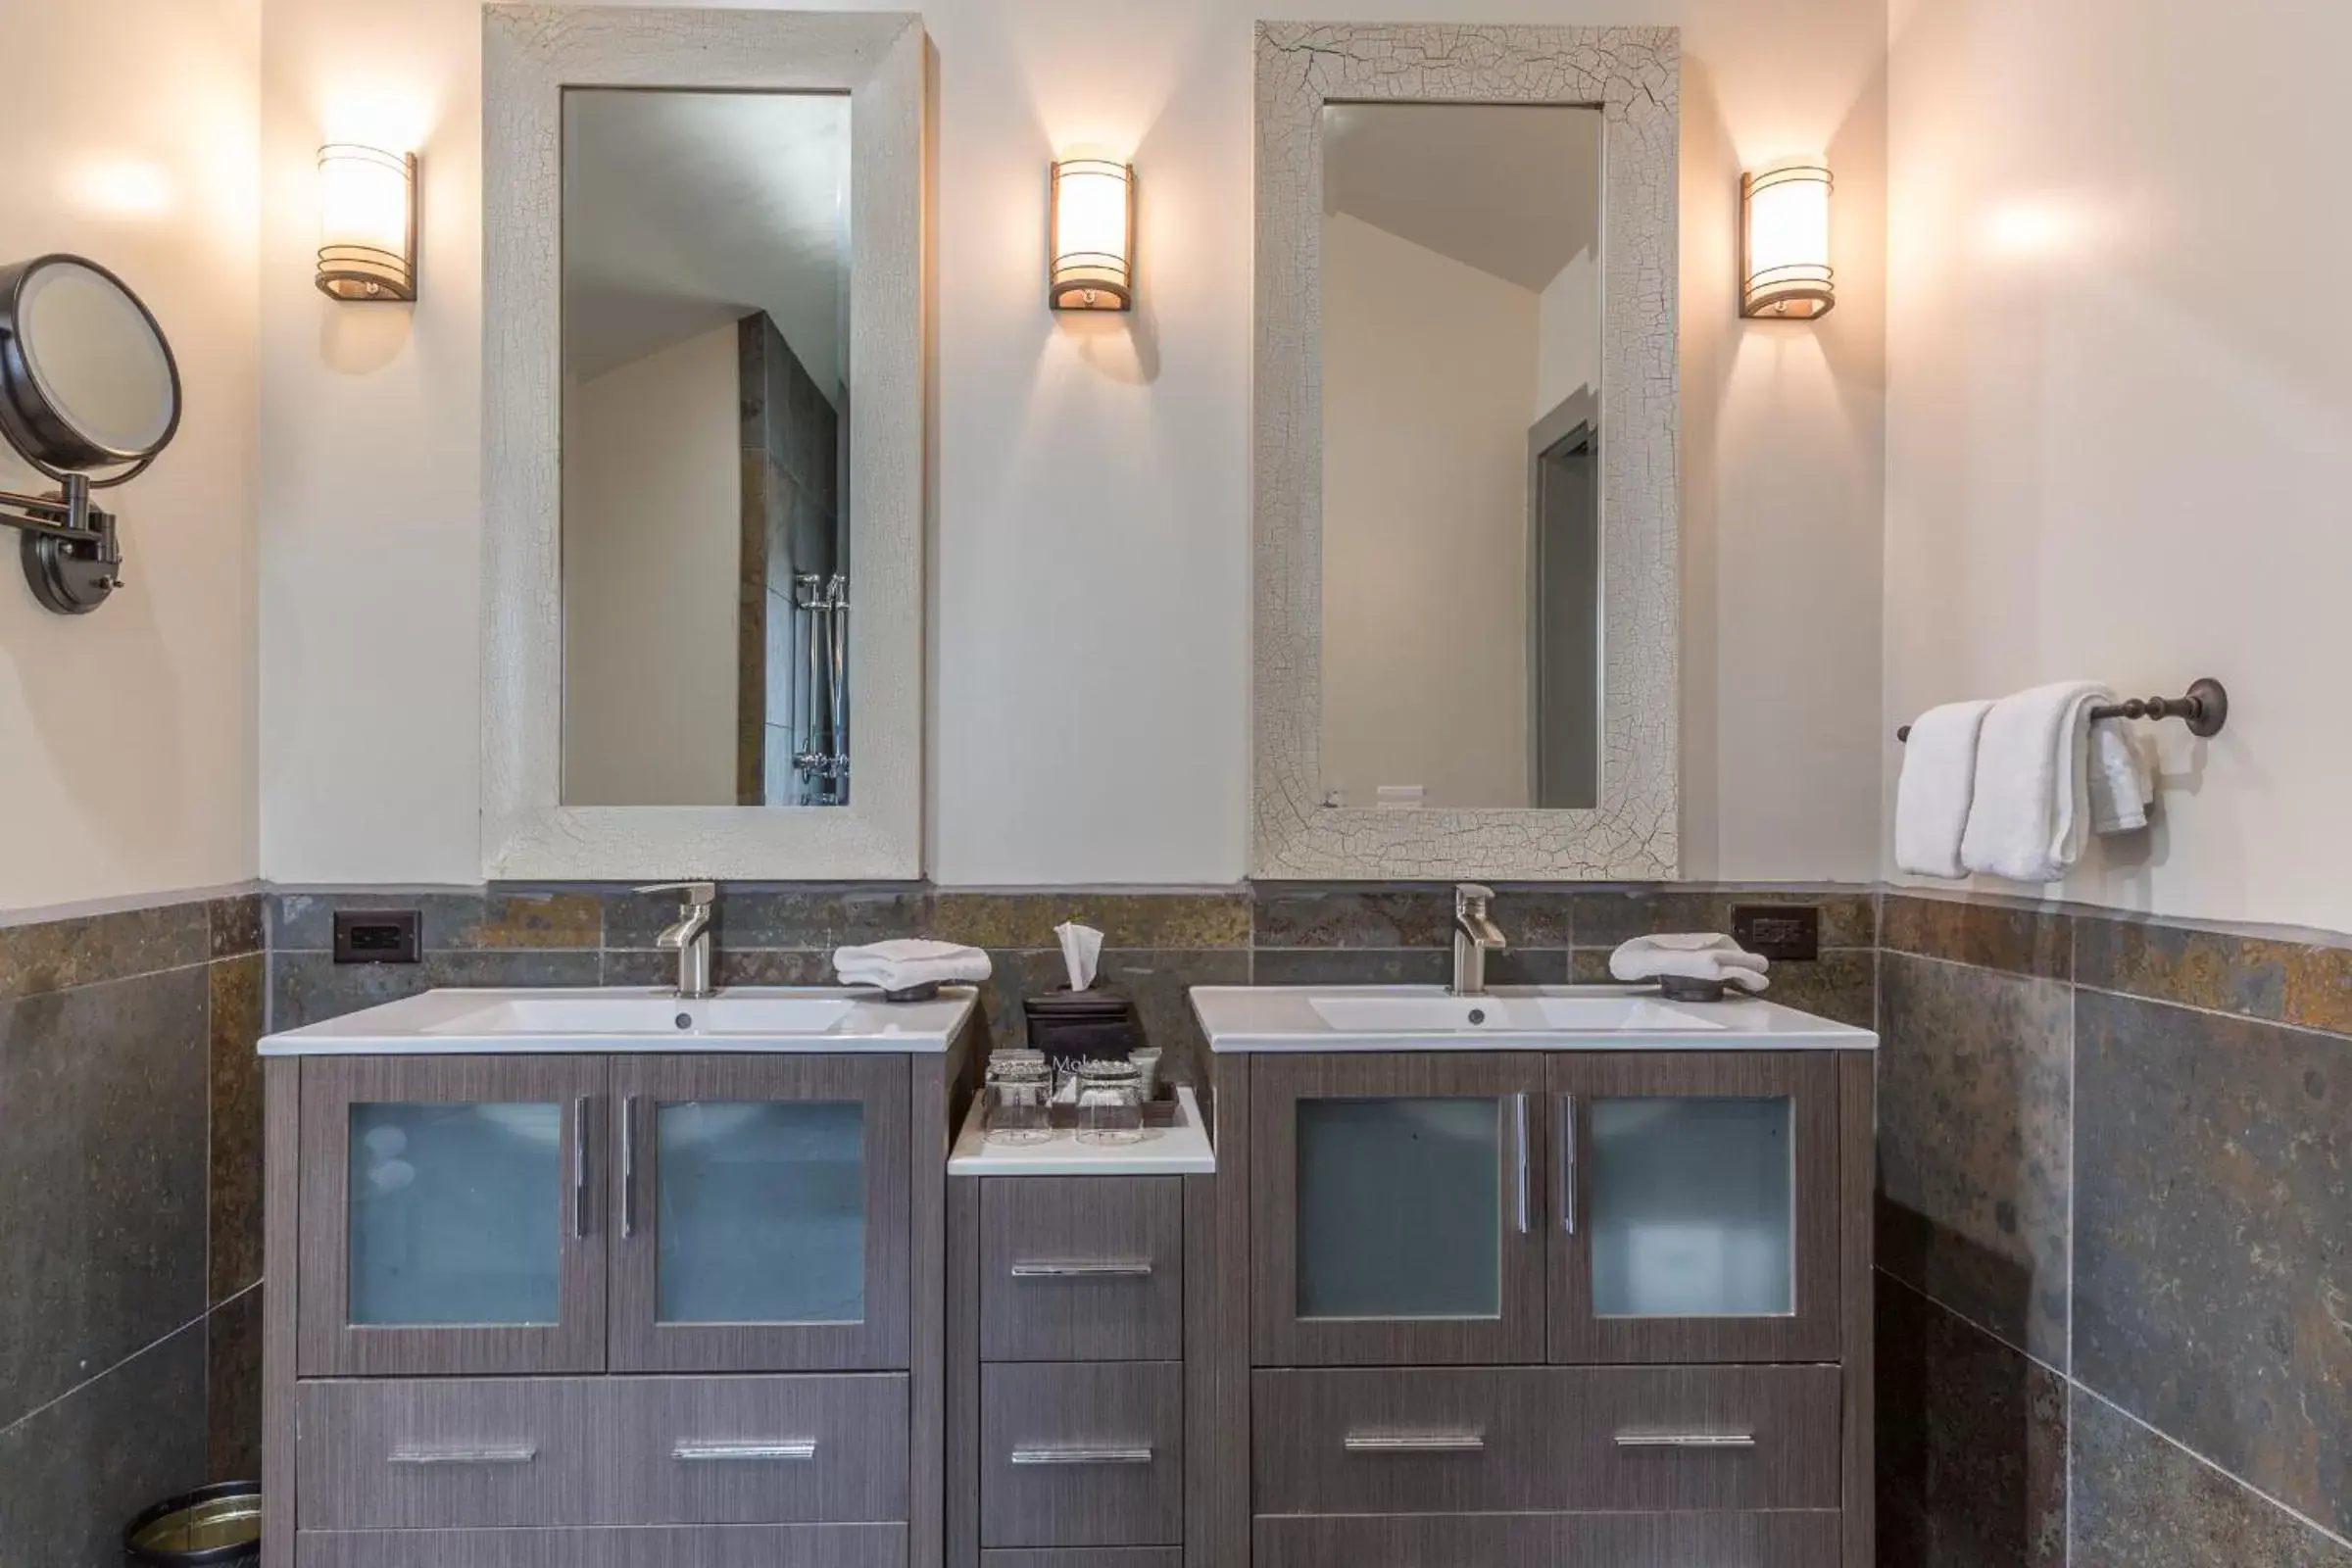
{"type": "Point", "coordinates": [621, 1312]}
{"type": "Point", "coordinates": [1066, 1345]}
{"type": "Point", "coordinates": [1524, 1309]}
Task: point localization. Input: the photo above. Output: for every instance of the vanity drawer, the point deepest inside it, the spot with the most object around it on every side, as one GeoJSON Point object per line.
{"type": "Point", "coordinates": [1082, 1268]}
{"type": "Point", "coordinates": [759, 1450]}
{"type": "Point", "coordinates": [1549, 1541]}
{"type": "Point", "coordinates": [1085, 1558]}
{"type": "Point", "coordinates": [1481, 1440]}
{"type": "Point", "coordinates": [1082, 1455]}
{"type": "Point", "coordinates": [770, 1547]}
{"type": "Point", "coordinates": [433, 1454]}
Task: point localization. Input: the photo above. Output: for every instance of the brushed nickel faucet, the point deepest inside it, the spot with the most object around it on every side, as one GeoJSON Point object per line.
{"type": "Point", "coordinates": [690, 937]}
{"type": "Point", "coordinates": [1475, 935]}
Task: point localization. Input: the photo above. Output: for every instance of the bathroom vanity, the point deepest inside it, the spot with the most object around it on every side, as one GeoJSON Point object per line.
{"type": "Point", "coordinates": [1550, 1276]}
{"type": "Point", "coordinates": [610, 1278]}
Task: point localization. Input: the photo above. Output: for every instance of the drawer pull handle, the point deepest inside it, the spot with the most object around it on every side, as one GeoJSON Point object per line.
{"type": "Point", "coordinates": [517, 1454]}
{"type": "Point", "coordinates": [743, 1452]}
{"type": "Point", "coordinates": [1136, 1270]}
{"type": "Point", "coordinates": [1685, 1440]}
{"type": "Point", "coordinates": [1082, 1456]}
{"type": "Point", "coordinates": [1415, 1442]}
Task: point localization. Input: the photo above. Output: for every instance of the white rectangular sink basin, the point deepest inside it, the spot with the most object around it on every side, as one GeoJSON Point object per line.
{"type": "Point", "coordinates": [771, 1018]}
{"type": "Point", "coordinates": [1507, 1015]}
{"type": "Point", "coordinates": [635, 1014]}
{"type": "Point", "coordinates": [1342, 1019]}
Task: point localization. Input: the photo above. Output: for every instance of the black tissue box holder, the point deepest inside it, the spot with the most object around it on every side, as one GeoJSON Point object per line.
{"type": "Point", "coordinates": [1080, 1025]}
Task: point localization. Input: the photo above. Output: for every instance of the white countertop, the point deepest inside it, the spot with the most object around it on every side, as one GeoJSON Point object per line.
{"type": "Point", "coordinates": [1611, 1017]}
{"type": "Point", "coordinates": [587, 1020]}
{"type": "Point", "coordinates": [1179, 1151]}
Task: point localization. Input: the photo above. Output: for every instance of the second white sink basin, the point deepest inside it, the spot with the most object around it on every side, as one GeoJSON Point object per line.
{"type": "Point", "coordinates": [1507, 1015]}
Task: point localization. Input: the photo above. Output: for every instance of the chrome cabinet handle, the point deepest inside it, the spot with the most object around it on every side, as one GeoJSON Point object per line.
{"type": "Point", "coordinates": [1081, 1455]}
{"type": "Point", "coordinates": [1566, 1110]}
{"type": "Point", "coordinates": [514, 1454]}
{"type": "Point", "coordinates": [1526, 1176]}
{"type": "Point", "coordinates": [628, 1167]}
{"type": "Point", "coordinates": [744, 1452]}
{"type": "Point", "coordinates": [580, 1168]}
{"type": "Point", "coordinates": [1414, 1442]}
{"type": "Point", "coordinates": [1685, 1440]}
{"type": "Point", "coordinates": [1138, 1269]}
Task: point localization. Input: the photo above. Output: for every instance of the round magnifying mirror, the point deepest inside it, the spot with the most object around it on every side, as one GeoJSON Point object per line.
{"type": "Point", "coordinates": [86, 379]}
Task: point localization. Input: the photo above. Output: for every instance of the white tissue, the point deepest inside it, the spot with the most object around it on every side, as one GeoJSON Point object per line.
{"type": "Point", "coordinates": [1081, 952]}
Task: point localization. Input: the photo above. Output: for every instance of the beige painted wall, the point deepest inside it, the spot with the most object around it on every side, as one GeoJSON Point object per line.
{"type": "Point", "coordinates": [653, 555]}
{"type": "Point", "coordinates": [126, 736]}
{"type": "Point", "coordinates": [2119, 410]}
{"type": "Point", "coordinates": [1091, 641]}
{"type": "Point", "coordinates": [1429, 368]}
{"type": "Point", "coordinates": [1568, 327]}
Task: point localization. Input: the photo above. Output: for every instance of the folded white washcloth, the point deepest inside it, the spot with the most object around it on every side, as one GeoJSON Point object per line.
{"type": "Point", "coordinates": [1691, 955]}
{"type": "Point", "coordinates": [2122, 784]}
{"type": "Point", "coordinates": [908, 963]}
{"type": "Point", "coordinates": [1940, 778]}
{"type": "Point", "coordinates": [2030, 817]}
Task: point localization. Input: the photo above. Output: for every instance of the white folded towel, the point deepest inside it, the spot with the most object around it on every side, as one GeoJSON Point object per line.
{"type": "Point", "coordinates": [2030, 817]}
{"type": "Point", "coordinates": [2122, 784]}
{"type": "Point", "coordinates": [908, 963]}
{"type": "Point", "coordinates": [1695, 955]}
{"type": "Point", "coordinates": [1940, 779]}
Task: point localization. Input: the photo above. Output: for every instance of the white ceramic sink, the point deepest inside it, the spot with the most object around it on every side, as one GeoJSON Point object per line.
{"type": "Point", "coordinates": [773, 1018]}
{"type": "Point", "coordinates": [1507, 1015]}
{"type": "Point", "coordinates": [1337, 1018]}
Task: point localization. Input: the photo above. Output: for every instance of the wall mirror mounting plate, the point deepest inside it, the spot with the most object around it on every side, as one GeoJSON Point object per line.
{"type": "Point", "coordinates": [704, 232]}
{"type": "Point", "coordinates": [1467, 595]}
{"type": "Point", "coordinates": [90, 395]}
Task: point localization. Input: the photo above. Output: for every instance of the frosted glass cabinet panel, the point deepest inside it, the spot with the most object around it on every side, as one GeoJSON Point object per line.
{"type": "Point", "coordinates": [449, 1217]}
{"type": "Point", "coordinates": [456, 1212]}
{"type": "Point", "coordinates": [1398, 1217]}
{"type": "Point", "coordinates": [1694, 1199]}
{"type": "Point", "coordinates": [1400, 1207]}
{"type": "Point", "coordinates": [763, 1216]}
{"type": "Point", "coordinates": [762, 1207]}
{"type": "Point", "coordinates": [1692, 1207]}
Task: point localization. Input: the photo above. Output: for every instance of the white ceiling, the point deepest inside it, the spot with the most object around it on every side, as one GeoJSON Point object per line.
{"type": "Point", "coordinates": [686, 211]}
{"type": "Point", "coordinates": [1512, 189]}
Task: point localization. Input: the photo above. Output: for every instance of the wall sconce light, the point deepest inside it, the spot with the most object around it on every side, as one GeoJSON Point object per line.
{"type": "Point", "coordinates": [1784, 241]}
{"type": "Point", "coordinates": [1094, 235]}
{"type": "Point", "coordinates": [366, 223]}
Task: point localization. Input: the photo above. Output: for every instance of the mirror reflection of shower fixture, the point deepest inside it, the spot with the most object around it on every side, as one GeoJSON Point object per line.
{"type": "Point", "coordinates": [820, 760]}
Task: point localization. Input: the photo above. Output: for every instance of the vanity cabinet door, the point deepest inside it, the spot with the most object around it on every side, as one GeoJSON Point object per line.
{"type": "Point", "coordinates": [1694, 1206]}
{"type": "Point", "coordinates": [1395, 1217]}
{"type": "Point", "coordinates": [760, 1213]}
{"type": "Point", "coordinates": [449, 1224]}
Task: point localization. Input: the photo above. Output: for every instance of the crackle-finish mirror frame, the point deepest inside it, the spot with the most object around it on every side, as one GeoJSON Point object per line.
{"type": "Point", "coordinates": [530, 54]}
{"type": "Point", "coordinates": [1633, 74]}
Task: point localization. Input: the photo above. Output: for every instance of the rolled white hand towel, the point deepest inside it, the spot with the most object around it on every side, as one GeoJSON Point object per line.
{"type": "Point", "coordinates": [1693, 955]}
{"type": "Point", "coordinates": [2122, 784]}
{"type": "Point", "coordinates": [908, 963]}
{"type": "Point", "coordinates": [2031, 815]}
{"type": "Point", "coordinates": [1940, 779]}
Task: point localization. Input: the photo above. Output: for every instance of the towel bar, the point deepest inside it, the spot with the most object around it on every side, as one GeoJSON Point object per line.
{"type": "Point", "coordinates": [2206, 707]}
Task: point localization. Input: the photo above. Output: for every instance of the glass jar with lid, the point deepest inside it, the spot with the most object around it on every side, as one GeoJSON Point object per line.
{"type": "Point", "coordinates": [1021, 1094]}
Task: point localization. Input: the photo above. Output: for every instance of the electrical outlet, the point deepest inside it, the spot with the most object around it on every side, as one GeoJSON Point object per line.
{"type": "Point", "coordinates": [1786, 933]}
{"type": "Point", "coordinates": [376, 936]}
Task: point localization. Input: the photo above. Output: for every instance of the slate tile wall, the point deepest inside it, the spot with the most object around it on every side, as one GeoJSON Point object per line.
{"type": "Point", "coordinates": [131, 1254]}
{"type": "Point", "coordinates": [2114, 1230]}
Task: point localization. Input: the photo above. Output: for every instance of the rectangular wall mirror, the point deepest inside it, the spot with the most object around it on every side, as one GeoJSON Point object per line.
{"type": "Point", "coordinates": [705, 545]}
{"type": "Point", "coordinates": [704, 414]}
{"type": "Point", "coordinates": [1467, 576]}
{"type": "Point", "coordinates": [1461, 428]}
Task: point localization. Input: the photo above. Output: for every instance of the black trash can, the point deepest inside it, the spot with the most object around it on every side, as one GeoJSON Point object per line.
{"type": "Point", "coordinates": [207, 1528]}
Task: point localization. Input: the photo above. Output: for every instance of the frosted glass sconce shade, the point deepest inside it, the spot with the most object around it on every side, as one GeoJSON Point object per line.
{"type": "Point", "coordinates": [1784, 241]}
{"type": "Point", "coordinates": [366, 223]}
{"type": "Point", "coordinates": [1094, 235]}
